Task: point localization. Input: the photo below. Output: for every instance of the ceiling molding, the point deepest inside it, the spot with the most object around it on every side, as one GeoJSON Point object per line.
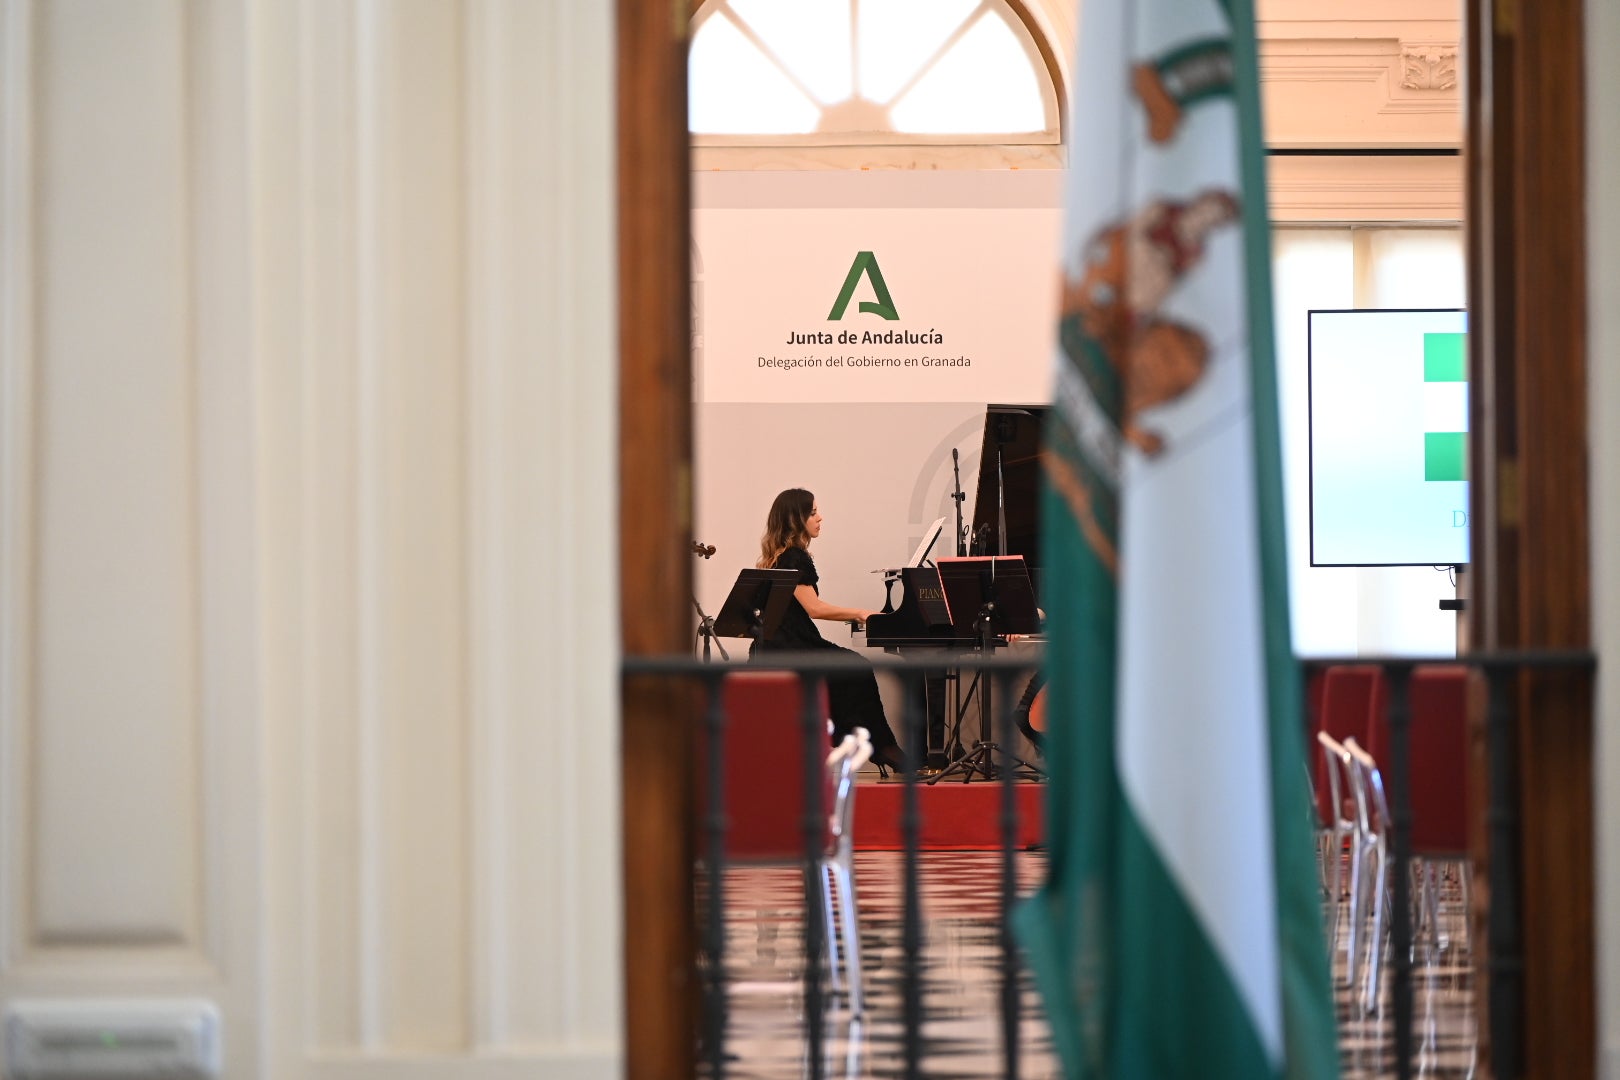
{"type": "Point", "coordinates": [1361, 92]}
{"type": "Point", "coordinates": [1395, 188]}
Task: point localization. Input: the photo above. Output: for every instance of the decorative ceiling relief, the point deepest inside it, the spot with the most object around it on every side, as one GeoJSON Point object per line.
{"type": "Point", "coordinates": [1360, 89]}
{"type": "Point", "coordinates": [1428, 67]}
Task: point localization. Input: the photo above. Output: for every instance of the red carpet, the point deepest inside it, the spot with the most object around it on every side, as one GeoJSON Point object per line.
{"type": "Point", "coordinates": [954, 815]}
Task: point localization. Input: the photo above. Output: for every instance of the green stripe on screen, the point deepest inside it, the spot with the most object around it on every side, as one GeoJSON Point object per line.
{"type": "Point", "coordinates": [1445, 455]}
{"type": "Point", "coordinates": [1445, 357]}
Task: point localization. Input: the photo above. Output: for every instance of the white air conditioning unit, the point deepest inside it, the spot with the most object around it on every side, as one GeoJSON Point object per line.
{"type": "Point", "coordinates": [109, 1039]}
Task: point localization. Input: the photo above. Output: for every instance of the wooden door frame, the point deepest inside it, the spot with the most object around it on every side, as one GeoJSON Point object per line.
{"type": "Point", "coordinates": [655, 526]}
{"type": "Point", "coordinates": [1529, 585]}
{"type": "Point", "coordinates": [1530, 579]}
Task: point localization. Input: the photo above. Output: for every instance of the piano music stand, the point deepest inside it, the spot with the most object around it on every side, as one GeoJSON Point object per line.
{"type": "Point", "coordinates": [756, 603]}
{"type": "Point", "coordinates": [991, 596]}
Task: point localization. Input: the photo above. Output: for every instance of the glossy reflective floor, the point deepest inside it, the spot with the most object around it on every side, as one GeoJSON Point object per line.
{"type": "Point", "coordinates": [1443, 1021]}
{"type": "Point", "coordinates": [961, 1032]}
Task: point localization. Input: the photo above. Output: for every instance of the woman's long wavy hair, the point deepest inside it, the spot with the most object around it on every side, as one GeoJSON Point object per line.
{"type": "Point", "coordinates": [785, 525]}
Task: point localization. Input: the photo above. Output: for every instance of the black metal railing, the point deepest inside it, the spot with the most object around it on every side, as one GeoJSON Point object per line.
{"type": "Point", "coordinates": [1503, 975]}
{"type": "Point", "coordinates": [995, 675]}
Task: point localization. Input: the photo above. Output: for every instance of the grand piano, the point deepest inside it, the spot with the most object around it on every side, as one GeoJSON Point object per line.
{"type": "Point", "coordinates": [1004, 523]}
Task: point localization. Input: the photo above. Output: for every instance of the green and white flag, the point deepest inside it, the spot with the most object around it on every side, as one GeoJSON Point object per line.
{"type": "Point", "coordinates": [1180, 931]}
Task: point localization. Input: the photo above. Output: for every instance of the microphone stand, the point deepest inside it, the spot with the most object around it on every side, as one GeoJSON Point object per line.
{"type": "Point", "coordinates": [1001, 506]}
{"type": "Point", "coordinates": [957, 496]}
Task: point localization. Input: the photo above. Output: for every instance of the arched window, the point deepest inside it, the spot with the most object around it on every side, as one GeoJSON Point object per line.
{"type": "Point", "coordinates": [869, 73]}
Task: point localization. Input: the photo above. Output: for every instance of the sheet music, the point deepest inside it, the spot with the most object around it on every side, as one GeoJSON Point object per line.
{"type": "Point", "coordinates": [930, 537]}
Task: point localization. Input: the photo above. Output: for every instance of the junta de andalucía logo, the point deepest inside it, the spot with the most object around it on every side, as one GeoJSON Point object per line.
{"type": "Point", "coordinates": [866, 265]}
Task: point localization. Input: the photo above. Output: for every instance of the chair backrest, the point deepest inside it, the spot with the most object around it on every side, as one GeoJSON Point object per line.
{"type": "Point", "coordinates": [1315, 685]}
{"type": "Point", "coordinates": [763, 766]}
{"type": "Point", "coordinates": [1372, 805]}
{"type": "Point", "coordinates": [842, 765]}
{"type": "Point", "coordinates": [1333, 790]}
{"type": "Point", "coordinates": [1350, 693]}
{"type": "Point", "coordinates": [1438, 738]}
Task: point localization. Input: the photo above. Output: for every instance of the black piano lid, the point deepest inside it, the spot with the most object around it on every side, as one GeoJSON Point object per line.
{"type": "Point", "coordinates": [1014, 431]}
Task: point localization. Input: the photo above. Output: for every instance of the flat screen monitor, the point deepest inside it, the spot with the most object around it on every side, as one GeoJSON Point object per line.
{"type": "Point", "coordinates": [1388, 417]}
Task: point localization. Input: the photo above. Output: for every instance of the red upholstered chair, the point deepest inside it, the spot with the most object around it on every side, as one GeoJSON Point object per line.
{"type": "Point", "coordinates": [764, 793]}
{"type": "Point", "coordinates": [764, 766]}
{"type": "Point", "coordinates": [1315, 686]}
{"type": "Point", "coordinates": [1437, 749]}
{"type": "Point", "coordinates": [1350, 694]}
{"type": "Point", "coordinates": [1437, 756]}
{"type": "Point", "coordinates": [1438, 740]}
{"type": "Point", "coordinates": [1320, 800]}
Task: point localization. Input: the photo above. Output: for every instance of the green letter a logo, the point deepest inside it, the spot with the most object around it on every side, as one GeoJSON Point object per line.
{"type": "Point", "coordinates": [865, 263]}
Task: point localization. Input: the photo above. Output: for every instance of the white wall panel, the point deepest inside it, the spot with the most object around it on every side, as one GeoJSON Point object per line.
{"type": "Point", "coordinates": [230, 603]}
{"type": "Point", "coordinates": [543, 440]}
{"type": "Point", "coordinates": [442, 458]}
{"type": "Point", "coordinates": [413, 434]}
{"type": "Point", "coordinates": [313, 82]}
{"type": "Point", "coordinates": [128, 674]}
{"type": "Point", "coordinates": [115, 716]}
{"type": "Point", "coordinates": [412, 520]}
{"type": "Point", "coordinates": [17, 388]}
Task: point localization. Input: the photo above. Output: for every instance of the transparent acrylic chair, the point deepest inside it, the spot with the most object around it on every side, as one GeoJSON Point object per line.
{"type": "Point", "coordinates": [1336, 807]}
{"type": "Point", "coordinates": [1372, 808]}
{"type": "Point", "coordinates": [838, 893]}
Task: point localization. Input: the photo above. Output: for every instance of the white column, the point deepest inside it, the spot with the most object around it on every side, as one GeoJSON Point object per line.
{"type": "Point", "coordinates": [435, 207]}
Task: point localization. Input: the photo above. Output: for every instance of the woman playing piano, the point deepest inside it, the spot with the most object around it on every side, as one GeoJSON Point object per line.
{"type": "Point", "coordinates": [793, 522]}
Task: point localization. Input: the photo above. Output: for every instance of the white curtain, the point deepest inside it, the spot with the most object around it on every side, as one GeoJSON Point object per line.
{"type": "Point", "coordinates": [1342, 610]}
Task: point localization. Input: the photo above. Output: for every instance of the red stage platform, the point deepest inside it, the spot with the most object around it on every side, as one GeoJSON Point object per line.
{"type": "Point", "coordinates": [954, 815]}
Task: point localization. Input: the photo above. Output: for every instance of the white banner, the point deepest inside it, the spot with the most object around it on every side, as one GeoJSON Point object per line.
{"type": "Point", "coordinates": [874, 305]}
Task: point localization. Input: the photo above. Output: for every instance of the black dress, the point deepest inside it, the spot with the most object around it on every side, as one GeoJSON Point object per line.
{"type": "Point", "coordinates": [852, 699]}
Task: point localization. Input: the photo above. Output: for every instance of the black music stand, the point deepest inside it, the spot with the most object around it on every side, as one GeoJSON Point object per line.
{"type": "Point", "coordinates": [755, 606]}
{"type": "Point", "coordinates": [989, 597]}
